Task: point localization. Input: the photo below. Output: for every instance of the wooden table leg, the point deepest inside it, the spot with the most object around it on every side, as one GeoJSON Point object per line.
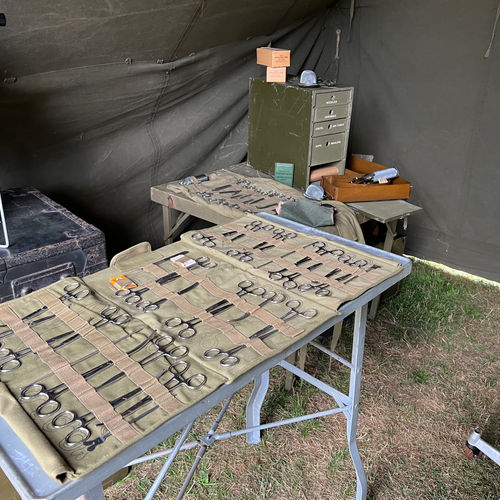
{"type": "Point", "coordinates": [289, 375]}
{"type": "Point", "coordinates": [173, 223]}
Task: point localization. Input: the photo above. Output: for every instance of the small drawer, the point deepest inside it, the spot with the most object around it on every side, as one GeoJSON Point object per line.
{"type": "Point", "coordinates": [330, 127]}
{"type": "Point", "coordinates": [327, 148]}
{"type": "Point", "coordinates": [331, 113]}
{"type": "Point", "coordinates": [333, 98]}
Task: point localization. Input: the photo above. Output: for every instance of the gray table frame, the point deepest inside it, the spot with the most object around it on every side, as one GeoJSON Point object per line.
{"type": "Point", "coordinates": [31, 482]}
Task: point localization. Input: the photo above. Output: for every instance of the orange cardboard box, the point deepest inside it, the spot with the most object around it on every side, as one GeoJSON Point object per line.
{"type": "Point", "coordinates": [277, 75]}
{"type": "Point", "coordinates": [273, 57]}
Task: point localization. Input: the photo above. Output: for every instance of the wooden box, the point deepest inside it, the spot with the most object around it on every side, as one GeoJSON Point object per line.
{"type": "Point", "coordinates": [277, 75]}
{"type": "Point", "coordinates": [273, 57]}
{"type": "Point", "coordinates": [338, 187]}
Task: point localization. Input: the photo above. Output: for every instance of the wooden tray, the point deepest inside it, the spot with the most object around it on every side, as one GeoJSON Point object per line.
{"type": "Point", "coordinates": [338, 187]}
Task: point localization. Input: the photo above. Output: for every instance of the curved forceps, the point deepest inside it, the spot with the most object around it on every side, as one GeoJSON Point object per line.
{"type": "Point", "coordinates": [241, 256]}
{"type": "Point", "coordinates": [189, 329]}
{"type": "Point", "coordinates": [108, 316]}
{"type": "Point", "coordinates": [72, 291]}
{"type": "Point", "coordinates": [294, 305]}
{"type": "Point", "coordinates": [288, 279]}
{"type": "Point", "coordinates": [206, 241]}
{"type": "Point", "coordinates": [177, 369]}
{"type": "Point", "coordinates": [228, 357]}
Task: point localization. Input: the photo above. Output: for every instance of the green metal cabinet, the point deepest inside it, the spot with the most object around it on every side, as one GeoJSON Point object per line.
{"type": "Point", "coordinates": [306, 126]}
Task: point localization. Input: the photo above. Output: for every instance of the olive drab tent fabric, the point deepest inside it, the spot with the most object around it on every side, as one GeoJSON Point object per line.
{"type": "Point", "coordinates": [99, 101]}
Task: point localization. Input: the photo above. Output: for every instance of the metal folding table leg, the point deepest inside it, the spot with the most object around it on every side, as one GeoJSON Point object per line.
{"type": "Point", "coordinates": [261, 384]}
{"type": "Point", "coordinates": [358, 347]}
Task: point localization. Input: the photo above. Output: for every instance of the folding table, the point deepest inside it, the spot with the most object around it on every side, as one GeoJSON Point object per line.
{"type": "Point", "coordinates": [31, 481]}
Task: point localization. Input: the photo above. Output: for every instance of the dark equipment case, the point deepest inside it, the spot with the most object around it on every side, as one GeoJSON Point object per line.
{"type": "Point", "coordinates": [47, 243]}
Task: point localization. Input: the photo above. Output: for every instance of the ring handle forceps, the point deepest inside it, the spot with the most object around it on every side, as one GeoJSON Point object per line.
{"type": "Point", "coordinates": [288, 279]}
{"type": "Point", "coordinates": [177, 370]}
{"type": "Point", "coordinates": [50, 405]}
{"type": "Point", "coordinates": [228, 357]}
{"type": "Point", "coordinates": [202, 239]}
{"type": "Point", "coordinates": [14, 358]}
{"type": "Point", "coordinates": [189, 330]}
{"type": "Point", "coordinates": [74, 291]}
{"type": "Point", "coordinates": [108, 315]}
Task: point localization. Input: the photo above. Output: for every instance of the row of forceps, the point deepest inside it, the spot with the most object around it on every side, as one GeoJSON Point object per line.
{"type": "Point", "coordinates": [229, 357]}
{"type": "Point", "coordinates": [272, 193]}
{"type": "Point", "coordinates": [80, 434]}
{"type": "Point", "coordinates": [175, 378]}
{"type": "Point", "coordinates": [133, 296]}
{"type": "Point", "coordinates": [278, 233]}
{"type": "Point", "coordinates": [321, 248]}
{"type": "Point", "coordinates": [210, 198]}
{"type": "Point", "coordinates": [246, 287]}
{"type": "Point", "coordinates": [289, 283]}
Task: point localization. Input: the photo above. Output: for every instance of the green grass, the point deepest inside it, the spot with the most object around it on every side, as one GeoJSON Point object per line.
{"type": "Point", "coordinates": [430, 303]}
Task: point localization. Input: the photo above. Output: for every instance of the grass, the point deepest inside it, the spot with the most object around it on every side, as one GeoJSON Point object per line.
{"type": "Point", "coordinates": [431, 374]}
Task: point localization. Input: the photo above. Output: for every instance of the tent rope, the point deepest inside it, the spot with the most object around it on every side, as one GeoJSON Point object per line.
{"type": "Point", "coordinates": [487, 53]}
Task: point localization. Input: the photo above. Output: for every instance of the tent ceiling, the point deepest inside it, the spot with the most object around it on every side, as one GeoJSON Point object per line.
{"type": "Point", "coordinates": [59, 34]}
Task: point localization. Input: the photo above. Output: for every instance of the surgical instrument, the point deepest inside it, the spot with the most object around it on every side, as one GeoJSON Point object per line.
{"type": "Point", "coordinates": [228, 357]}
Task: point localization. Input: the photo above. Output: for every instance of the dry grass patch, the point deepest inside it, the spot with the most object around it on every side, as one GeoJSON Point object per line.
{"type": "Point", "coordinates": [431, 374]}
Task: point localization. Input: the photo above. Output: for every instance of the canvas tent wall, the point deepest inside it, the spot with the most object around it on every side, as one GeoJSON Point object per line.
{"type": "Point", "coordinates": [101, 100]}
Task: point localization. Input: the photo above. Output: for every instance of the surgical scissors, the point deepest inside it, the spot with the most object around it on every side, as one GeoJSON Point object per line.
{"type": "Point", "coordinates": [228, 357]}
{"type": "Point", "coordinates": [35, 389]}
{"type": "Point", "coordinates": [241, 256]}
{"type": "Point", "coordinates": [73, 292]}
{"type": "Point", "coordinates": [189, 329]}
{"type": "Point", "coordinates": [177, 370]}
{"type": "Point", "coordinates": [206, 241]}
{"type": "Point", "coordinates": [108, 315]}
{"type": "Point", "coordinates": [288, 280]}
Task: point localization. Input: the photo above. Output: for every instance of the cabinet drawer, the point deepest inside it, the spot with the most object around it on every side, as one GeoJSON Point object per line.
{"type": "Point", "coordinates": [327, 148]}
{"type": "Point", "coordinates": [332, 112]}
{"type": "Point", "coordinates": [330, 127]}
{"type": "Point", "coordinates": [332, 98]}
